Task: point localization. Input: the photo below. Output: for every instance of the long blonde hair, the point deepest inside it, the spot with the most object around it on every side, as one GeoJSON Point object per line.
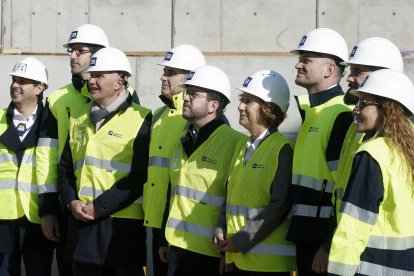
{"type": "Point", "coordinates": [393, 122]}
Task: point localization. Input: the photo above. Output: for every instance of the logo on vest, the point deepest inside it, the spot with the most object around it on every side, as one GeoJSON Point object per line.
{"type": "Point", "coordinates": [313, 129]}
{"type": "Point", "coordinates": [209, 160]}
{"type": "Point", "coordinates": [112, 133]}
{"type": "Point", "coordinates": [257, 166]}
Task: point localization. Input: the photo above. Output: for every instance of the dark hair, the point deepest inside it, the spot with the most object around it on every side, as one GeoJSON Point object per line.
{"type": "Point", "coordinates": [272, 114]}
{"type": "Point", "coordinates": [216, 96]}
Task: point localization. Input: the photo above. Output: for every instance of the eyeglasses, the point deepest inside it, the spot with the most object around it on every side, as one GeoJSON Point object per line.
{"type": "Point", "coordinates": [361, 103]}
{"type": "Point", "coordinates": [78, 51]}
{"type": "Point", "coordinates": [192, 94]}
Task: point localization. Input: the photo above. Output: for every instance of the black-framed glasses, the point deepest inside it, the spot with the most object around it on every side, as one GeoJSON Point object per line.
{"type": "Point", "coordinates": [361, 103]}
{"type": "Point", "coordinates": [78, 51]}
{"type": "Point", "coordinates": [193, 94]}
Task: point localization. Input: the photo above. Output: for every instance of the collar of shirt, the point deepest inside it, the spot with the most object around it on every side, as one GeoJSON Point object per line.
{"type": "Point", "coordinates": [251, 145]}
{"type": "Point", "coordinates": [19, 118]}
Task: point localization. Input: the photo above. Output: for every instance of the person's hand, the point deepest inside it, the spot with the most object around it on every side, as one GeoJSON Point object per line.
{"type": "Point", "coordinates": [217, 241]}
{"type": "Point", "coordinates": [164, 253]}
{"type": "Point", "coordinates": [90, 210]}
{"type": "Point", "coordinates": [320, 261]}
{"type": "Point", "coordinates": [76, 207]}
{"type": "Point", "coordinates": [228, 245]}
{"type": "Point", "coordinates": [50, 227]}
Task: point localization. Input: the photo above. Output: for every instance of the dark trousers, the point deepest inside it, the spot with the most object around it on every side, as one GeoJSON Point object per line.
{"type": "Point", "coordinates": [29, 243]}
{"type": "Point", "coordinates": [159, 268]}
{"type": "Point", "coordinates": [64, 265]}
{"type": "Point", "coordinates": [304, 259]}
{"type": "Point", "coordinates": [239, 272]}
{"type": "Point", "coordinates": [187, 263]}
{"type": "Point", "coordinates": [86, 269]}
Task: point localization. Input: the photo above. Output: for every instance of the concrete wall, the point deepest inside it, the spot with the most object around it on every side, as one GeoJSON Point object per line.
{"type": "Point", "coordinates": [239, 36]}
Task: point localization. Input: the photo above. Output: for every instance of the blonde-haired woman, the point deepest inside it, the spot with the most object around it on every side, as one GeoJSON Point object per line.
{"type": "Point", "coordinates": [254, 225]}
{"type": "Point", "coordinates": [375, 234]}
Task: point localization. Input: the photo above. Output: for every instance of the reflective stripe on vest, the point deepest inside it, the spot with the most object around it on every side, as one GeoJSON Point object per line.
{"type": "Point", "coordinates": [204, 198]}
{"type": "Point", "coordinates": [311, 211]}
{"type": "Point", "coordinates": [236, 210]}
{"type": "Point", "coordinates": [48, 142]}
{"type": "Point", "coordinates": [103, 164]}
{"type": "Point", "coordinates": [94, 193]}
{"type": "Point", "coordinates": [365, 268]}
{"type": "Point", "coordinates": [333, 165]}
{"type": "Point", "coordinates": [358, 213]}
{"type": "Point", "coordinates": [190, 227]}
{"type": "Point", "coordinates": [312, 183]}
{"type": "Point", "coordinates": [158, 161]}
{"type": "Point", "coordinates": [391, 243]}
{"type": "Point", "coordinates": [5, 157]}
{"type": "Point", "coordinates": [26, 187]}
{"type": "Point", "coordinates": [273, 249]}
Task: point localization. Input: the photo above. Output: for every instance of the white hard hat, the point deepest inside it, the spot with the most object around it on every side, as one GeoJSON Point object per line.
{"type": "Point", "coordinates": [31, 68]}
{"type": "Point", "coordinates": [269, 86]}
{"type": "Point", "coordinates": [377, 51]}
{"type": "Point", "coordinates": [325, 41]}
{"type": "Point", "coordinates": [109, 59]}
{"type": "Point", "coordinates": [88, 34]}
{"type": "Point", "coordinates": [210, 77]}
{"type": "Point", "coordinates": [186, 57]}
{"type": "Point", "coordinates": [389, 84]}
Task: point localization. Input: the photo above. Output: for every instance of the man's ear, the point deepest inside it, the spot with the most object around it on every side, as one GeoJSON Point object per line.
{"type": "Point", "coordinates": [213, 106]}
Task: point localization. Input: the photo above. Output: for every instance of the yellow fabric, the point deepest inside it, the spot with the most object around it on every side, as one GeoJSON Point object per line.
{"type": "Point", "coordinates": [20, 199]}
{"type": "Point", "coordinates": [393, 221]}
{"type": "Point", "coordinates": [112, 143]}
{"type": "Point", "coordinates": [206, 171]}
{"type": "Point", "coordinates": [249, 186]}
{"type": "Point", "coordinates": [166, 131]}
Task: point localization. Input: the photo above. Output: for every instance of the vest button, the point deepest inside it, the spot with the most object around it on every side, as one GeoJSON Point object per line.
{"type": "Point", "coordinates": [146, 221]}
{"type": "Point", "coordinates": [152, 184]}
{"type": "Point", "coordinates": [160, 147]}
{"type": "Point", "coordinates": [172, 111]}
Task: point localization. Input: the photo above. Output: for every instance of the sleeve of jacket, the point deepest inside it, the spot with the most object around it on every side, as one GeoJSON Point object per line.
{"type": "Point", "coordinates": [259, 227]}
{"type": "Point", "coordinates": [46, 163]}
{"type": "Point", "coordinates": [127, 190]}
{"type": "Point", "coordinates": [66, 176]}
{"type": "Point", "coordinates": [360, 209]}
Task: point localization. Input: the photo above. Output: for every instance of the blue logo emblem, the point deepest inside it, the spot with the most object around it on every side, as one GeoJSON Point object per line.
{"type": "Point", "coordinates": [20, 68]}
{"type": "Point", "coordinates": [247, 81]}
{"type": "Point", "coordinates": [73, 35]}
{"type": "Point", "coordinates": [93, 61]}
{"type": "Point", "coordinates": [190, 76]}
{"type": "Point", "coordinates": [353, 51]}
{"type": "Point", "coordinates": [168, 56]}
{"type": "Point", "coordinates": [302, 41]}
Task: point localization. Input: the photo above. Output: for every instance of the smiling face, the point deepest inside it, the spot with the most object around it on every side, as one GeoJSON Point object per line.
{"type": "Point", "coordinates": [250, 115]}
{"type": "Point", "coordinates": [171, 80]}
{"type": "Point", "coordinates": [357, 75]}
{"type": "Point", "coordinates": [105, 87]}
{"type": "Point", "coordinates": [366, 112]}
{"type": "Point", "coordinates": [24, 91]}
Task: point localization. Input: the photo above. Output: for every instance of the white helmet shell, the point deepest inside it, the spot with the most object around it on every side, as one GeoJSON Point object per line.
{"type": "Point", "coordinates": [31, 68]}
{"type": "Point", "coordinates": [88, 34]}
{"type": "Point", "coordinates": [389, 84]}
{"type": "Point", "coordinates": [377, 51]}
{"type": "Point", "coordinates": [210, 77]}
{"type": "Point", "coordinates": [186, 57]}
{"type": "Point", "coordinates": [109, 59]}
{"type": "Point", "coordinates": [269, 86]}
{"type": "Point", "coordinates": [325, 41]}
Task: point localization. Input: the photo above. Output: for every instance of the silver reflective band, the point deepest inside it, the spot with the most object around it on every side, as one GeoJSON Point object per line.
{"type": "Point", "coordinates": [201, 196]}
{"type": "Point", "coordinates": [29, 159]}
{"type": "Point", "coordinates": [342, 269]}
{"type": "Point", "coordinates": [94, 193]}
{"type": "Point", "coordinates": [311, 211]}
{"type": "Point", "coordinates": [26, 187]}
{"type": "Point", "coordinates": [358, 213]}
{"type": "Point", "coordinates": [47, 188]}
{"type": "Point", "coordinates": [333, 165]}
{"type": "Point", "coordinates": [366, 268]}
{"type": "Point", "coordinates": [5, 157]}
{"type": "Point", "coordinates": [190, 228]}
{"type": "Point", "coordinates": [237, 210]}
{"type": "Point", "coordinates": [107, 165]}
{"type": "Point", "coordinates": [47, 142]}
{"type": "Point", "coordinates": [158, 161]}
{"type": "Point", "coordinates": [391, 243]}
{"type": "Point", "coordinates": [312, 183]}
{"type": "Point", "coordinates": [158, 115]}
{"type": "Point", "coordinates": [272, 249]}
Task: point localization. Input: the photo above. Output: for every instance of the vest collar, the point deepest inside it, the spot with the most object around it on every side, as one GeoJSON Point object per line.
{"type": "Point", "coordinates": [324, 96]}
